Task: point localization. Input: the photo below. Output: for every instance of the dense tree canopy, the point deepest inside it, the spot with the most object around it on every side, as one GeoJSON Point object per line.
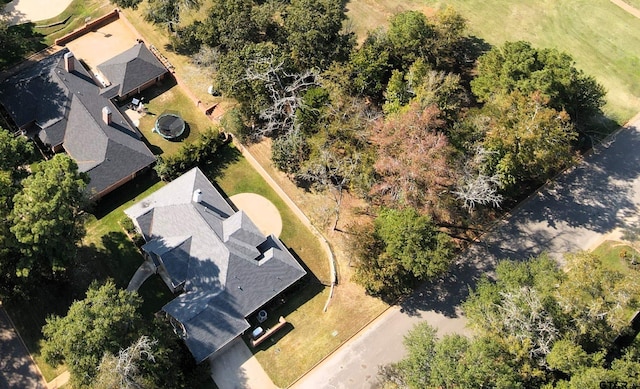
{"type": "Point", "coordinates": [527, 141]}
{"type": "Point", "coordinates": [537, 326]}
{"type": "Point", "coordinates": [403, 248]}
{"type": "Point", "coordinates": [517, 66]}
{"type": "Point", "coordinates": [105, 321]}
{"type": "Point", "coordinates": [313, 31]}
{"type": "Point", "coordinates": [47, 215]}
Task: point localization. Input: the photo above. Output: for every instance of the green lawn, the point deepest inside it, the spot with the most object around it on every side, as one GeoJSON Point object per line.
{"type": "Point", "coordinates": [168, 96]}
{"type": "Point", "coordinates": [612, 255]}
{"type": "Point", "coordinates": [603, 39]}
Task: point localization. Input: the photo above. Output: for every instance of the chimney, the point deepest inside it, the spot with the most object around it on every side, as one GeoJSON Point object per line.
{"type": "Point", "coordinates": [68, 62]}
{"type": "Point", "coordinates": [197, 196]}
{"type": "Point", "coordinates": [106, 115]}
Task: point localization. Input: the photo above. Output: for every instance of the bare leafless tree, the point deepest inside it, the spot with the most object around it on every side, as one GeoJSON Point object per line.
{"type": "Point", "coordinates": [333, 173]}
{"type": "Point", "coordinates": [476, 188]}
{"type": "Point", "coordinates": [123, 371]}
{"type": "Point", "coordinates": [525, 318]}
{"type": "Point", "coordinates": [285, 91]}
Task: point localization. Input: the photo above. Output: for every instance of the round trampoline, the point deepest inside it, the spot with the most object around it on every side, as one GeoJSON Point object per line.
{"type": "Point", "coordinates": [169, 125]}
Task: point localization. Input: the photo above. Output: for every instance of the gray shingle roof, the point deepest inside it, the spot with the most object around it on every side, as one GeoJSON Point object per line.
{"type": "Point", "coordinates": [132, 68]}
{"type": "Point", "coordinates": [67, 106]}
{"type": "Point", "coordinates": [231, 268]}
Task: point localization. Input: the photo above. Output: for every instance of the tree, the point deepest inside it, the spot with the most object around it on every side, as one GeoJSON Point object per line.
{"type": "Point", "coordinates": [413, 161]}
{"type": "Point", "coordinates": [452, 362]}
{"type": "Point", "coordinates": [229, 25]}
{"type": "Point", "coordinates": [16, 152]}
{"type": "Point", "coordinates": [47, 215]}
{"type": "Point", "coordinates": [408, 34]}
{"type": "Point", "coordinates": [446, 47]}
{"type": "Point", "coordinates": [527, 142]}
{"type": "Point", "coordinates": [105, 321]}
{"type": "Point", "coordinates": [597, 299]}
{"type": "Point", "coordinates": [285, 90]}
{"type": "Point", "coordinates": [420, 343]}
{"type": "Point", "coordinates": [168, 12]}
{"type": "Point", "coordinates": [404, 247]}
{"type": "Point", "coordinates": [474, 187]}
{"type": "Point", "coordinates": [415, 242]}
{"type": "Point", "coordinates": [331, 172]}
{"type": "Point", "coordinates": [313, 33]}
{"type": "Point", "coordinates": [133, 4]}
{"type": "Point", "coordinates": [124, 371]}
{"type": "Point", "coordinates": [370, 66]}
{"type": "Point", "coordinates": [517, 66]}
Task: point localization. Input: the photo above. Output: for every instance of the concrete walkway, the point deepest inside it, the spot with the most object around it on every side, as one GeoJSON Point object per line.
{"type": "Point", "coordinates": [59, 381]}
{"type": "Point", "coordinates": [236, 368]}
{"type": "Point", "coordinates": [23, 11]}
{"type": "Point", "coordinates": [146, 270]}
{"type": "Point", "coordinates": [261, 211]}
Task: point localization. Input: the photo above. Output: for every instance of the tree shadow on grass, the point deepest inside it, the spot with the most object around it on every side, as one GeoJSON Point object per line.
{"type": "Point", "coordinates": [21, 41]}
{"type": "Point", "coordinates": [118, 260]}
{"type": "Point", "coordinates": [127, 192]}
{"type": "Point", "coordinates": [214, 169]}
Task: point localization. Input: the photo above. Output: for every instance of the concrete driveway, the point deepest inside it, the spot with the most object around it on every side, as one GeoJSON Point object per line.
{"type": "Point", "coordinates": [236, 368]}
{"type": "Point", "coordinates": [575, 213]}
{"type": "Point", "coordinates": [17, 369]}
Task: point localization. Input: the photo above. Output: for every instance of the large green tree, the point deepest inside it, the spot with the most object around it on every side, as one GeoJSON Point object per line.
{"type": "Point", "coordinates": [527, 141]}
{"type": "Point", "coordinates": [105, 321]}
{"type": "Point", "coordinates": [517, 66]}
{"type": "Point", "coordinates": [404, 247]}
{"type": "Point", "coordinates": [47, 218]}
{"type": "Point", "coordinates": [314, 36]}
{"type": "Point", "coordinates": [15, 155]}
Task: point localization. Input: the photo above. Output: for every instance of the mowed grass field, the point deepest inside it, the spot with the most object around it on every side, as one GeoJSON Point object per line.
{"type": "Point", "coordinates": [603, 39]}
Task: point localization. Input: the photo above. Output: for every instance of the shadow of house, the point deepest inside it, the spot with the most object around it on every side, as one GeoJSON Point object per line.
{"type": "Point", "coordinates": [224, 266]}
{"type": "Point", "coordinates": [56, 101]}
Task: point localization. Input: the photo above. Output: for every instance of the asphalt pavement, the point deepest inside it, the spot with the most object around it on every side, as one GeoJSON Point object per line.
{"type": "Point", "coordinates": [580, 208]}
{"type": "Point", "coordinates": [17, 369]}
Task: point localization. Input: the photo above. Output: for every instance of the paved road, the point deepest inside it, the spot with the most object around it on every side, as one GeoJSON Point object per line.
{"type": "Point", "coordinates": [582, 206]}
{"type": "Point", "coordinates": [17, 369]}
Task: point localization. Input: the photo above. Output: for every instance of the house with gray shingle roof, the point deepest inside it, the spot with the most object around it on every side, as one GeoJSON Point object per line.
{"type": "Point", "coordinates": [57, 101]}
{"type": "Point", "coordinates": [132, 71]}
{"type": "Point", "coordinates": [224, 268]}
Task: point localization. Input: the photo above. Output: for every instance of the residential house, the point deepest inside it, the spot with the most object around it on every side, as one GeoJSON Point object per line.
{"type": "Point", "coordinates": [59, 103]}
{"type": "Point", "coordinates": [225, 269]}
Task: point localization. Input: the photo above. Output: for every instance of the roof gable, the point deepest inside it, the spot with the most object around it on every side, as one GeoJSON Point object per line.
{"type": "Point", "coordinates": [87, 144]}
{"type": "Point", "coordinates": [132, 68]}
